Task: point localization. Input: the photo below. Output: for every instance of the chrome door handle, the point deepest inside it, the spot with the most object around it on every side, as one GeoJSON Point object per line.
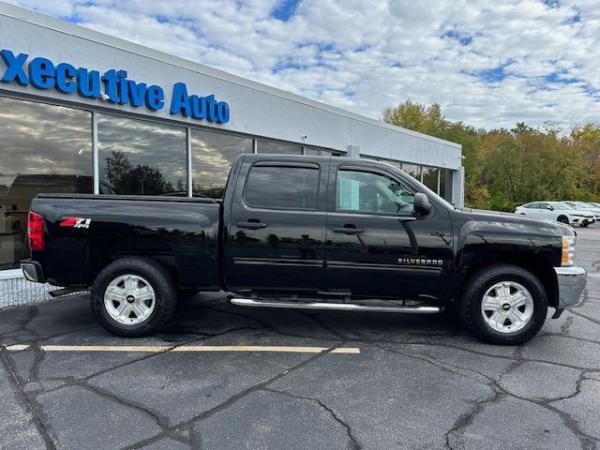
{"type": "Point", "coordinates": [348, 230]}
{"type": "Point", "coordinates": [251, 225]}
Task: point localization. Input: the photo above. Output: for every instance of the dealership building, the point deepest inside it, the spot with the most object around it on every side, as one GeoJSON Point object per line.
{"type": "Point", "coordinates": [84, 112]}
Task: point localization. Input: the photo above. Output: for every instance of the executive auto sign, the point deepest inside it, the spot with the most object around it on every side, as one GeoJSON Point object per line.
{"type": "Point", "coordinates": [112, 86]}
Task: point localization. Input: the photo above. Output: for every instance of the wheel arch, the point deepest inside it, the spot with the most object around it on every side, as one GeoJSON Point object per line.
{"type": "Point", "coordinates": [537, 265]}
{"type": "Point", "coordinates": [103, 253]}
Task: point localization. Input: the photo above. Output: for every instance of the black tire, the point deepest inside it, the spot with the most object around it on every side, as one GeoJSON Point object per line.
{"type": "Point", "coordinates": [563, 219]}
{"type": "Point", "coordinates": [160, 281]}
{"type": "Point", "coordinates": [584, 224]}
{"type": "Point", "coordinates": [469, 306]}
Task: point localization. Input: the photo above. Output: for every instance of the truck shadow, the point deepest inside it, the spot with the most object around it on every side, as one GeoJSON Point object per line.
{"type": "Point", "coordinates": [203, 314]}
{"type": "Point", "coordinates": [71, 320]}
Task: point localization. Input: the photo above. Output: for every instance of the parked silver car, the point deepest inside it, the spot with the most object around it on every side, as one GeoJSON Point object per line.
{"type": "Point", "coordinates": [559, 211]}
{"type": "Point", "coordinates": [586, 207]}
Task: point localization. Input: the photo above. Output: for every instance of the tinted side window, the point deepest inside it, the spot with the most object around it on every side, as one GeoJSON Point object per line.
{"type": "Point", "coordinates": [372, 193]}
{"type": "Point", "coordinates": [282, 187]}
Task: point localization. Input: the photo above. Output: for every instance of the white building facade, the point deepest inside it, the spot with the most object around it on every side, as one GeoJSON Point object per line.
{"type": "Point", "coordinates": [81, 111]}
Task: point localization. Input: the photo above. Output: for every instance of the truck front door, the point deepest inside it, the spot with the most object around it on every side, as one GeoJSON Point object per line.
{"type": "Point", "coordinates": [376, 246]}
{"type": "Point", "coordinates": [275, 228]}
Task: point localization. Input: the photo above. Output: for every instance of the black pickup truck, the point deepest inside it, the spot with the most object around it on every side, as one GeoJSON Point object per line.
{"type": "Point", "coordinates": [306, 232]}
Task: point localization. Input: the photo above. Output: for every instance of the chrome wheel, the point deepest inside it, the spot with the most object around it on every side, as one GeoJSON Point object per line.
{"type": "Point", "coordinates": [507, 307]}
{"type": "Point", "coordinates": [129, 299]}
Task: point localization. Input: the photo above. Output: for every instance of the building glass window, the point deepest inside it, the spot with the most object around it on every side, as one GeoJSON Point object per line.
{"type": "Point", "coordinates": [414, 170]}
{"type": "Point", "coordinates": [212, 155]}
{"type": "Point", "coordinates": [282, 187]}
{"type": "Point", "coordinates": [431, 178]}
{"type": "Point", "coordinates": [43, 148]}
{"type": "Point", "coordinates": [278, 147]}
{"type": "Point", "coordinates": [314, 151]}
{"type": "Point", "coordinates": [138, 157]}
{"type": "Point", "coordinates": [446, 184]}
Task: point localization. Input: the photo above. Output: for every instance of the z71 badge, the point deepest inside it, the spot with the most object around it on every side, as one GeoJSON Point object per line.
{"type": "Point", "coordinates": [420, 262]}
{"type": "Point", "coordinates": [76, 222]}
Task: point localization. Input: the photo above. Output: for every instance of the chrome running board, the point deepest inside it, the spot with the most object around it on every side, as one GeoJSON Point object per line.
{"type": "Point", "coordinates": [335, 306]}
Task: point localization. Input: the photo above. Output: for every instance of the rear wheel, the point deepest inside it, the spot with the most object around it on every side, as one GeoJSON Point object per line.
{"type": "Point", "coordinates": [133, 297]}
{"type": "Point", "coordinates": [503, 305]}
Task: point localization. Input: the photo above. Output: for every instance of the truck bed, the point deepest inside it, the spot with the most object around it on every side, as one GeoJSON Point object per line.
{"type": "Point", "coordinates": [181, 232]}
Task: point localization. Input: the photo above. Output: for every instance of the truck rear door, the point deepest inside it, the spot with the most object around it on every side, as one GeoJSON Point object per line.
{"type": "Point", "coordinates": [274, 226]}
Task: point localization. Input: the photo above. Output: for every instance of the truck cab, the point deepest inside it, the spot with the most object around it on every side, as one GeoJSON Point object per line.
{"type": "Point", "coordinates": [335, 227]}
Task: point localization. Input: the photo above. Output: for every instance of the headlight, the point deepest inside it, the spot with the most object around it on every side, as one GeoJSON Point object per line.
{"type": "Point", "coordinates": [568, 251]}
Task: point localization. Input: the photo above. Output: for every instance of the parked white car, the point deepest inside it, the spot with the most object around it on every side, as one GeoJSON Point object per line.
{"type": "Point", "coordinates": [586, 207]}
{"type": "Point", "coordinates": [559, 211]}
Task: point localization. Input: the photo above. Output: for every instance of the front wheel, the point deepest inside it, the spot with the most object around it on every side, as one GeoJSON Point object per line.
{"type": "Point", "coordinates": [503, 305]}
{"type": "Point", "coordinates": [133, 297]}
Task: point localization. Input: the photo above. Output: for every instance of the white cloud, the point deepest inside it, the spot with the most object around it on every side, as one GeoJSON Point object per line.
{"type": "Point", "coordinates": [487, 63]}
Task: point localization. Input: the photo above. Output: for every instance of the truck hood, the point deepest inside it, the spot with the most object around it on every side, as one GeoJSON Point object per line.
{"type": "Point", "coordinates": [549, 227]}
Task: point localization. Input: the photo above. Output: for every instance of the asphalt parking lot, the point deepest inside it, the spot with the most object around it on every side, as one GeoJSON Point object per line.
{"type": "Point", "coordinates": [223, 377]}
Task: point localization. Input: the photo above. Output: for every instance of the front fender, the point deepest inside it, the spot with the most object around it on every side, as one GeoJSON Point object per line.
{"type": "Point", "coordinates": [479, 241]}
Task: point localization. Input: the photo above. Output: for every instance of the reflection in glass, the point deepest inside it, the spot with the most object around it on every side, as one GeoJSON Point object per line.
{"type": "Point", "coordinates": [43, 148]}
{"type": "Point", "coordinates": [141, 158]}
{"type": "Point", "coordinates": [413, 170]}
{"type": "Point", "coordinates": [278, 147]}
{"type": "Point", "coordinates": [431, 178]}
{"type": "Point", "coordinates": [212, 155]}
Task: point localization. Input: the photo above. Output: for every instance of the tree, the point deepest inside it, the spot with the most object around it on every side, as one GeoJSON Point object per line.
{"type": "Point", "coordinates": [504, 168]}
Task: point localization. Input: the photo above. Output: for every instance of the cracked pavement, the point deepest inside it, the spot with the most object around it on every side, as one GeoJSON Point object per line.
{"type": "Point", "coordinates": [417, 383]}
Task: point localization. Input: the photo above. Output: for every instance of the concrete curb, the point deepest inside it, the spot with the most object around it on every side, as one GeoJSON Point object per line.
{"type": "Point", "coordinates": [15, 290]}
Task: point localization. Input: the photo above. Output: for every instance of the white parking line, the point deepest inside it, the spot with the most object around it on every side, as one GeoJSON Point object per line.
{"type": "Point", "coordinates": [183, 348]}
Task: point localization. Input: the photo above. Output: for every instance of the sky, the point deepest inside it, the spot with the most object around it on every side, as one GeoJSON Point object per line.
{"type": "Point", "coordinates": [487, 63]}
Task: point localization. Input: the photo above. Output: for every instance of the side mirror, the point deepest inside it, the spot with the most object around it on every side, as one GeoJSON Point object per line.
{"type": "Point", "coordinates": [422, 207]}
{"type": "Point", "coordinates": [551, 208]}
